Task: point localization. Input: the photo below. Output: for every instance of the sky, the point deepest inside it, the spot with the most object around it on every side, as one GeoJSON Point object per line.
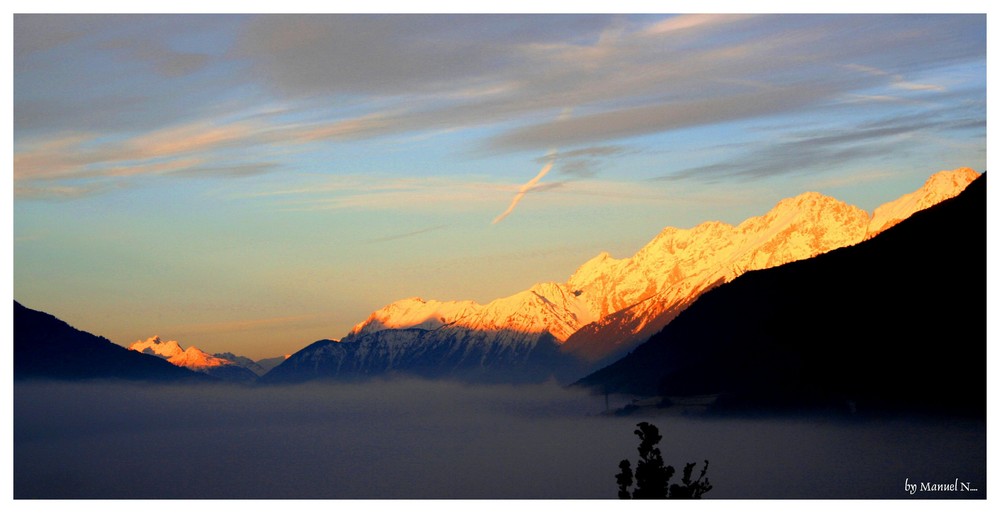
{"type": "Point", "coordinates": [255, 183]}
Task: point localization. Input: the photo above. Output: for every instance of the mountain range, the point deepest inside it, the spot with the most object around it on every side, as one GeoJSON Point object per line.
{"type": "Point", "coordinates": [610, 306]}
{"type": "Point", "coordinates": [896, 323]}
{"type": "Point", "coordinates": [607, 307]}
{"type": "Point", "coordinates": [195, 359]}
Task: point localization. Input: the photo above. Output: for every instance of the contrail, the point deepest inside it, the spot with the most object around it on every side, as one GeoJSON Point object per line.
{"type": "Point", "coordinates": [551, 155]}
{"type": "Point", "coordinates": [527, 187]}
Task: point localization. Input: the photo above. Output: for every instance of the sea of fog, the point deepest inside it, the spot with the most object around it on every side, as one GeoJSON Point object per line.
{"type": "Point", "coordinates": [422, 439]}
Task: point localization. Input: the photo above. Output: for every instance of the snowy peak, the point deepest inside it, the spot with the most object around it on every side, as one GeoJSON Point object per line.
{"type": "Point", "coordinates": [798, 228]}
{"type": "Point", "coordinates": [416, 313]}
{"type": "Point", "coordinates": [544, 308]}
{"type": "Point", "coordinates": [157, 347]}
{"type": "Point", "coordinates": [192, 357]}
{"type": "Point", "coordinates": [939, 187]}
{"type": "Point", "coordinates": [611, 304]}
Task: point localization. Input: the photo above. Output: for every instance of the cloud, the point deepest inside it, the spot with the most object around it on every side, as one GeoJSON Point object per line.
{"type": "Point", "coordinates": [36, 33]}
{"type": "Point", "coordinates": [824, 149]}
{"type": "Point", "coordinates": [663, 117]}
{"type": "Point", "coordinates": [763, 66]}
{"type": "Point", "coordinates": [250, 169]}
{"type": "Point", "coordinates": [439, 194]}
{"type": "Point", "coordinates": [897, 80]}
{"type": "Point", "coordinates": [364, 192]}
{"type": "Point", "coordinates": [406, 235]}
{"type": "Point", "coordinates": [163, 60]}
{"type": "Point", "coordinates": [687, 22]}
{"type": "Point", "coordinates": [396, 54]}
{"type": "Point", "coordinates": [585, 162]}
{"type": "Point", "coordinates": [57, 156]}
{"type": "Point", "coordinates": [173, 87]}
{"type": "Point", "coordinates": [115, 73]}
{"type": "Point", "coordinates": [60, 192]}
{"type": "Point", "coordinates": [524, 190]}
{"type": "Point", "coordinates": [187, 149]}
{"type": "Point", "coordinates": [198, 136]}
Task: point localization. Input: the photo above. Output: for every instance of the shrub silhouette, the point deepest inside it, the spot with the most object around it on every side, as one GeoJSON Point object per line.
{"type": "Point", "coordinates": [652, 477]}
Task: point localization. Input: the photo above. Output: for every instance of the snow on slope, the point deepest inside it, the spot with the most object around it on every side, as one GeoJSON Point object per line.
{"type": "Point", "coordinates": [937, 188]}
{"type": "Point", "coordinates": [192, 357]}
{"type": "Point", "coordinates": [609, 305]}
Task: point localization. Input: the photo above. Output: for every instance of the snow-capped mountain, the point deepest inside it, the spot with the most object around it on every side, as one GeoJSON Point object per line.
{"type": "Point", "coordinates": [608, 305]}
{"type": "Point", "coordinates": [649, 289]}
{"type": "Point", "coordinates": [895, 324]}
{"type": "Point", "coordinates": [669, 273]}
{"type": "Point", "coordinates": [939, 187]}
{"type": "Point", "coordinates": [170, 350]}
{"type": "Point", "coordinates": [193, 358]}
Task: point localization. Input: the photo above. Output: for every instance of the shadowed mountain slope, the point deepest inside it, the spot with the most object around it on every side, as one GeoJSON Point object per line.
{"type": "Point", "coordinates": [480, 356]}
{"type": "Point", "coordinates": [896, 323]}
{"type": "Point", "coordinates": [48, 348]}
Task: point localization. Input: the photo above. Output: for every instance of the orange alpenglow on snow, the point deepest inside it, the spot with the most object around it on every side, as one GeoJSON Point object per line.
{"type": "Point", "coordinates": [636, 296]}
{"type": "Point", "coordinates": [192, 357]}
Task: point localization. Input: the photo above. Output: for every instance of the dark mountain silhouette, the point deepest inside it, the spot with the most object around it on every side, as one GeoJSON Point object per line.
{"type": "Point", "coordinates": [896, 323]}
{"type": "Point", "coordinates": [48, 348]}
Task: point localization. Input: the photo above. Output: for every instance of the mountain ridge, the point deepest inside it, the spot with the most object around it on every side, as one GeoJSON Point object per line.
{"type": "Point", "coordinates": [609, 305]}
{"type": "Point", "coordinates": [46, 347]}
{"type": "Point", "coordinates": [194, 359]}
{"type": "Point", "coordinates": [801, 336]}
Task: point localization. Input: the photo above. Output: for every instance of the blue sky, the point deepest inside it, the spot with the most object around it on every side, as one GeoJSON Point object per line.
{"type": "Point", "coordinates": [255, 183]}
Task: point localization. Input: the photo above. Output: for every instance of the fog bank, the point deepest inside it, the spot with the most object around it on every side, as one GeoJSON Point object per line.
{"type": "Point", "coordinates": [422, 439]}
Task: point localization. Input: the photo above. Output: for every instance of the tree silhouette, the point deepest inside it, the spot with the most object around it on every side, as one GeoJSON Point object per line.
{"type": "Point", "coordinates": [652, 477]}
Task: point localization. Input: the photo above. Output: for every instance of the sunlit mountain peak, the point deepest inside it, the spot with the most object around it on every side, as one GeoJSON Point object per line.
{"type": "Point", "coordinates": [939, 187]}
{"type": "Point", "coordinates": [192, 357]}
{"type": "Point", "coordinates": [609, 305]}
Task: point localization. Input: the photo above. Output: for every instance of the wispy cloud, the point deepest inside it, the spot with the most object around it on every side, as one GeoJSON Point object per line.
{"type": "Point", "coordinates": [524, 189]}
{"type": "Point", "coordinates": [60, 192]}
{"type": "Point", "coordinates": [191, 149]}
{"type": "Point", "coordinates": [397, 236]}
{"type": "Point", "coordinates": [898, 81]}
{"type": "Point", "coordinates": [687, 22]}
{"type": "Point", "coordinates": [360, 192]}
{"type": "Point", "coordinates": [824, 149]}
{"type": "Point", "coordinates": [361, 77]}
{"type": "Point", "coordinates": [663, 117]}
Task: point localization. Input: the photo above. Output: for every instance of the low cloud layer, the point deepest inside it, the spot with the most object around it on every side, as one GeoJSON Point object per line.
{"type": "Point", "coordinates": [418, 439]}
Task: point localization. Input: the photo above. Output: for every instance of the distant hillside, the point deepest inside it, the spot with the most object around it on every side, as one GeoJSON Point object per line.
{"type": "Point", "coordinates": [895, 323]}
{"type": "Point", "coordinates": [48, 348]}
{"type": "Point", "coordinates": [480, 356]}
{"type": "Point", "coordinates": [259, 367]}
